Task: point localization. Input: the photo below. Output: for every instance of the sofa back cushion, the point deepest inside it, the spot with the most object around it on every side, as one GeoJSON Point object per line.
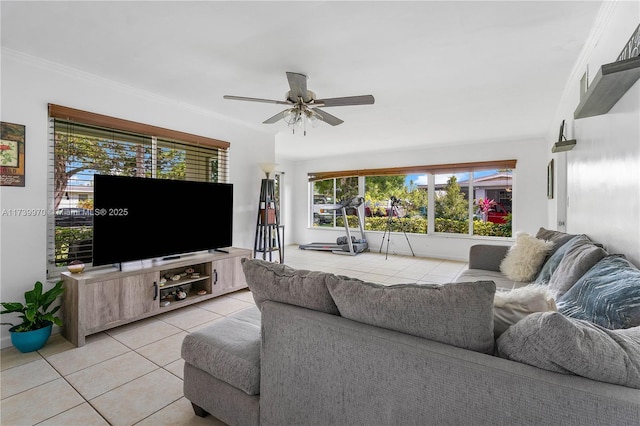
{"type": "Point", "coordinates": [525, 257]}
{"type": "Point", "coordinates": [607, 295]}
{"type": "Point", "coordinates": [554, 342]}
{"type": "Point", "coordinates": [580, 255]}
{"type": "Point", "coordinates": [280, 283]}
{"type": "Point", "coordinates": [458, 314]}
{"type": "Point", "coordinates": [556, 237]}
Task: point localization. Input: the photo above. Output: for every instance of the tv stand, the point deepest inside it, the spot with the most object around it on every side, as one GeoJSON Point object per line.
{"type": "Point", "coordinates": [220, 251]}
{"type": "Point", "coordinates": [104, 298]}
{"type": "Point", "coordinates": [171, 257]}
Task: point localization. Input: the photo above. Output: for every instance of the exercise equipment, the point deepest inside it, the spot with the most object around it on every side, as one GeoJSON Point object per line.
{"type": "Point", "coordinates": [393, 212]}
{"type": "Point", "coordinates": [344, 245]}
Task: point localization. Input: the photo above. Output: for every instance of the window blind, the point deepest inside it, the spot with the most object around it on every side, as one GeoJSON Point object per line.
{"type": "Point", "coordinates": [78, 150]}
{"type": "Point", "coordinates": [405, 170]}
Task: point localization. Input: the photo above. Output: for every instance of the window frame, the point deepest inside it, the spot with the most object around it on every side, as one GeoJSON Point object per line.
{"type": "Point", "coordinates": [430, 171]}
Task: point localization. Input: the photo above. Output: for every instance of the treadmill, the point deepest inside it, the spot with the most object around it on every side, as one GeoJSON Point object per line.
{"type": "Point", "coordinates": [352, 246]}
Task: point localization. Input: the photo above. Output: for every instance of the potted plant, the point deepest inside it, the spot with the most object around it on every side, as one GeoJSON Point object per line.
{"type": "Point", "coordinates": [37, 318]}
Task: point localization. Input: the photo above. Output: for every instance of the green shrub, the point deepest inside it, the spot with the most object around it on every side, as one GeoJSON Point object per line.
{"type": "Point", "coordinates": [418, 225]}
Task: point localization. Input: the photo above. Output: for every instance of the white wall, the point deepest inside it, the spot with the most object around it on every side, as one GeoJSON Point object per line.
{"type": "Point", "coordinates": [602, 177]}
{"type": "Point", "coordinates": [529, 189]}
{"type": "Point", "coordinates": [29, 84]}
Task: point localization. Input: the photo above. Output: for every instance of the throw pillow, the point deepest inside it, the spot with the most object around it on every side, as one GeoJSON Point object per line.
{"type": "Point", "coordinates": [280, 283]}
{"type": "Point", "coordinates": [510, 306]}
{"type": "Point", "coordinates": [581, 254]}
{"type": "Point", "coordinates": [551, 341]}
{"type": "Point", "coordinates": [458, 314]}
{"type": "Point", "coordinates": [556, 237]}
{"type": "Point", "coordinates": [551, 264]}
{"type": "Point", "coordinates": [525, 257]}
{"type": "Point", "coordinates": [607, 295]}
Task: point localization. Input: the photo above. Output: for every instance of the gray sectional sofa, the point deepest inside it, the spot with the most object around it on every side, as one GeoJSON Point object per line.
{"type": "Point", "coordinates": [321, 349]}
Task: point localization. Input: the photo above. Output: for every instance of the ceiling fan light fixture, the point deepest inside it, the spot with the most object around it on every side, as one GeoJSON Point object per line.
{"type": "Point", "coordinates": [312, 117]}
{"type": "Point", "coordinates": [291, 116]}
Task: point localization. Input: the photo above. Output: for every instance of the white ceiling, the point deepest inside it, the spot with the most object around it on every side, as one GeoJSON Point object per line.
{"type": "Point", "coordinates": [442, 73]}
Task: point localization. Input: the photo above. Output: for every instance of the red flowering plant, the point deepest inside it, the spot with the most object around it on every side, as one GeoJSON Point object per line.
{"type": "Point", "coordinates": [484, 205]}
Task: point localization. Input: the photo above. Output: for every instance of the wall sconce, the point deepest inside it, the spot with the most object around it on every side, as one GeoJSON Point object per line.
{"type": "Point", "coordinates": [563, 144]}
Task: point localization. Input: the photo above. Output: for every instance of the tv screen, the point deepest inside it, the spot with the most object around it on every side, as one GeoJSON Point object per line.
{"type": "Point", "coordinates": [142, 218]}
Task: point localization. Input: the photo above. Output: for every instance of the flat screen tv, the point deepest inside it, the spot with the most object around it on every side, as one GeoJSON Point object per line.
{"type": "Point", "coordinates": [143, 218]}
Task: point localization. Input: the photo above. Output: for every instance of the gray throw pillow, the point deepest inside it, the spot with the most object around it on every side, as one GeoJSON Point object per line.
{"type": "Point", "coordinates": [556, 237]}
{"type": "Point", "coordinates": [580, 255]}
{"type": "Point", "coordinates": [553, 342]}
{"type": "Point", "coordinates": [607, 295]}
{"type": "Point", "coordinates": [458, 314]}
{"type": "Point", "coordinates": [551, 264]}
{"type": "Point", "coordinates": [280, 283]}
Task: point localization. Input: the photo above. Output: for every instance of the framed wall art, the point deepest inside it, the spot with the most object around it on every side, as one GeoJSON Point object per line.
{"type": "Point", "coordinates": [12, 140]}
{"type": "Point", "coordinates": [550, 174]}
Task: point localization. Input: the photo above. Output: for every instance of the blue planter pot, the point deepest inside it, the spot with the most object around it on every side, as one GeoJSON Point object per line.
{"type": "Point", "coordinates": [29, 341]}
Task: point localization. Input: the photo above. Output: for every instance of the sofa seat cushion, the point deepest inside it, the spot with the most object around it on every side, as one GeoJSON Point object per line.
{"type": "Point", "coordinates": [607, 295]}
{"type": "Point", "coordinates": [229, 350]}
{"type": "Point", "coordinates": [281, 283]}
{"type": "Point", "coordinates": [459, 314]}
{"type": "Point", "coordinates": [554, 342]}
{"type": "Point", "coordinates": [498, 278]}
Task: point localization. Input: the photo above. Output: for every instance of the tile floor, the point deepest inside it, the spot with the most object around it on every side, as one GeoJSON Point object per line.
{"type": "Point", "coordinates": [132, 375]}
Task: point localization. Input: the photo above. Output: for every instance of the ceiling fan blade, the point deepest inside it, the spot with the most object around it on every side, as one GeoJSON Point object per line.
{"type": "Point", "coordinates": [268, 101]}
{"type": "Point", "coordinates": [327, 118]}
{"type": "Point", "coordinates": [298, 86]}
{"type": "Point", "coordinates": [347, 100]}
{"type": "Point", "coordinates": [279, 116]}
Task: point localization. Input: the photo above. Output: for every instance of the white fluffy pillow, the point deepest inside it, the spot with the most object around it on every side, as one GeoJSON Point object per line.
{"type": "Point", "coordinates": [510, 306]}
{"type": "Point", "coordinates": [525, 257]}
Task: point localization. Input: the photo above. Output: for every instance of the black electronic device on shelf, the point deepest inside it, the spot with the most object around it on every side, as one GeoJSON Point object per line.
{"type": "Point", "coordinates": [143, 218]}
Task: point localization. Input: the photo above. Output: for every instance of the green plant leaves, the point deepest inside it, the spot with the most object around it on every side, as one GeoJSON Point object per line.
{"type": "Point", "coordinates": [35, 311]}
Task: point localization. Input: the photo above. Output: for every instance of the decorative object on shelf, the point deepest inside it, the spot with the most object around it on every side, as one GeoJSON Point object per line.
{"type": "Point", "coordinates": [165, 303]}
{"type": "Point", "coordinates": [189, 270]}
{"type": "Point", "coordinates": [181, 294]}
{"type": "Point", "coordinates": [195, 275]}
{"type": "Point", "coordinates": [12, 153]}
{"type": "Point", "coordinates": [632, 47]}
{"type": "Point", "coordinates": [175, 277]}
{"type": "Point", "coordinates": [162, 282]}
{"type": "Point", "coordinates": [202, 292]}
{"type": "Point", "coordinates": [563, 144]}
{"type": "Point", "coordinates": [75, 267]}
{"type": "Point", "coordinates": [37, 319]}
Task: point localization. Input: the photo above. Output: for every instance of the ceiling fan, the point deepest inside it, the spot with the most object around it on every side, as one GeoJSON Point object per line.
{"type": "Point", "coordinates": [303, 105]}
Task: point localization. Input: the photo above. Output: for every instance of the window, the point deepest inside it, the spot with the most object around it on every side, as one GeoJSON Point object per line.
{"type": "Point", "coordinates": [78, 150]}
{"type": "Point", "coordinates": [397, 200]}
{"type": "Point", "coordinates": [328, 195]}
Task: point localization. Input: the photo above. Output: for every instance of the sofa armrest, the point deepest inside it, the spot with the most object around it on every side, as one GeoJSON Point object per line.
{"type": "Point", "coordinates": [487, 256]}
